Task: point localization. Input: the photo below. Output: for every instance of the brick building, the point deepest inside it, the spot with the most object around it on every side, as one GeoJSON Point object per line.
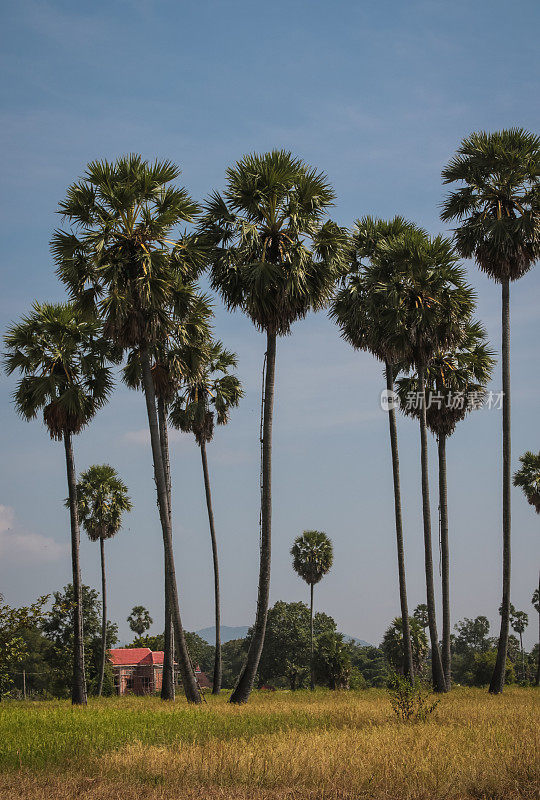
{"type": "Point", "coordinates": [139, 670]}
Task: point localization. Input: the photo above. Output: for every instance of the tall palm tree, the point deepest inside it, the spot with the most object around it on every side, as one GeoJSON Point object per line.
{"type": "Point", "coordinates": [519, 621]}
{"type": "Point", "coordinates": [102, 498]}
{"type": "Point", "coordinates": [527, 478]}
{"type": "Point", "coordinates": [497, 206]}
{"type": "Point", "coordinates": [63, 361]}
{"type": "Point", "coordinates": [535, 600]}
{"type": "Point", "coordinates": [173, 361]}
{"type": "Point", "coordinates": [208, 396]}
{"type": "Point", "coordinates": [119, 260]}
{"type": "Point", "coordinates": [455, 384]}
{"type": "Point", "coordinates": [275, 258]}
{"type": "Point", "coordinates": [360, 322]}
{"type": "Point", "coordinates": [421, 289]}
{"type": "Point", "coordinates": [313, 555]}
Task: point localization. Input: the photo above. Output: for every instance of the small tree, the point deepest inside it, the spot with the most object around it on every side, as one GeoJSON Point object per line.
{"type": "Point", "coordinates": [139, 620]}
{"type": "Point", "coordinates": [313, 555]}
{"type": "Point", "coordinates": [13, 647]}
{"type": "Point", "coordinates": [519, 621]}
{"type": "Point", "coordinates": [392, 645]}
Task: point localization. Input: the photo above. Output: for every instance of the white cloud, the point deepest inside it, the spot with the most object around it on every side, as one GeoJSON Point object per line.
{"type": "Point", "coordinates": [17, 545]}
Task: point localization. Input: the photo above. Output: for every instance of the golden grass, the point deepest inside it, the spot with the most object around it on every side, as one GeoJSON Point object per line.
{"type": "Point", "coordinates": [326, 745]}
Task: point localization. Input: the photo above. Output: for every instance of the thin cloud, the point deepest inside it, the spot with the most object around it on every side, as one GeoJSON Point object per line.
{"type": "Point", "coordinates": [18, 545]}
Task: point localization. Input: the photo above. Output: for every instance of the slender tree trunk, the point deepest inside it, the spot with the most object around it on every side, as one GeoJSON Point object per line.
{"type": "Point", "coordinates": [188, 678]}
{"type": "Point", "coordinates": [439, 684]}
{"type": "Point", "coordinates": [445, 559]}
{"type": "Point", "coordinates": [522, 657]}
{"type": "Point", "coordinates": [167, 682]}
{"type": "Point", "coordinates": [311, 675]}
{"type": "Point", "coordinates": [497, 679]}
{"type": "Point", "coordinates": [103, 617]}
{"type": "Point", "coordinates": [247, 676]}
{"type": "Point", "coordinates": [537, 679]}
{"type": "Point", "coordinates": [216, 686]}
{"type": "Point", "coordinates": [407, 644]}
{"type": "Point", "coordinates": [78, 692]}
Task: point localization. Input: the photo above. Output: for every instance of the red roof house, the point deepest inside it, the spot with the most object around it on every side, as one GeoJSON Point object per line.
{"type": "Point", "coordinates": [139, 670]}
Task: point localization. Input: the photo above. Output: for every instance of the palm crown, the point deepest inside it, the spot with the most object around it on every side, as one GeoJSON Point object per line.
{"type": "Point", "coordinates": [313, 555]}
{"type": "Point", "coordinates": [101, 500]}
{"type": "Point", "coordinates": [180, 355]}
{"type": "Point", "coordinates": [273, 255]}
{"type": "Point", "coordinates": [528, 478]}
{"type": "Point", "coordinates": [498, 204]}
{"type": "Point", "coordinates": [118, 256]}
{"type": "Point", "coordinates": [455, 379]}
{"type": "Point", "coordinates": [211, 388]}
{"type": "Point", "coordinates": [63, 361]}
{"type": "Point", "coordinates": [358, 317]}
{"type": "Point", "coordinates": [418, 291]}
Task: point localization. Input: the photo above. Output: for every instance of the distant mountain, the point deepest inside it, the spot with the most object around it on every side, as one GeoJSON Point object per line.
{"type": "Point", "coordinates": [240, 632]}
{"type": "Point", "coordinates": [227, 633]}
{"type": "Point", "coordinates": [355, 640]}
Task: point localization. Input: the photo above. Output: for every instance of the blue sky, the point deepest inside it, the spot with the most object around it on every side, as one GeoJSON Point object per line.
{"type": "Point", "coordinates": [377, 94]}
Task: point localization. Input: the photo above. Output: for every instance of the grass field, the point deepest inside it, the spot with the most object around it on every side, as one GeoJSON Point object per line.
{"type": "Point", "coordinates": [281, 745]}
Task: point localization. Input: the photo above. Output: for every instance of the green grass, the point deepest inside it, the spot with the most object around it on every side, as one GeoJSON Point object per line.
{"type": "Point", "coordinates": [280, 745]}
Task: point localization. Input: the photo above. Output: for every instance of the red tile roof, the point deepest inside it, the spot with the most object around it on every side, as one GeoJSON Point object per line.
{"type": "Point", "coordinates": [129, 656]}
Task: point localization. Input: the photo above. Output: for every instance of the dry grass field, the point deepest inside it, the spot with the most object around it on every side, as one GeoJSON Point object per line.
{"type": "Point", "coordinates": [281, 745]}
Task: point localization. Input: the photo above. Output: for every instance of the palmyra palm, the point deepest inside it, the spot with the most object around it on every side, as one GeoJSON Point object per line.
{"type": "Point", "coordinates": [425, 301]}
{"type": "Point", "coordinates": [362, 325]}
{"type": "Point", "coordinates": [455, 384]}
{"type": "Point", "coordinates": [102, 498]}
{"type": "Point", "coordinates": [207, 395]}
{"type": "Point", "coordinates": [497, 207]}
{"type": "Point", "coordinates": [118, 259]}
{"type": "Point", "coordinates": [275, 258]}
{"type": "Point", "coordinates": [63, 361]}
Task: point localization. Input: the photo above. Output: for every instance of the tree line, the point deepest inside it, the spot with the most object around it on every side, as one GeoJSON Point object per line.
{"type": "Point", "coordinates": [271, 251]}
{"type": "Point", "coordinates": [300, 650]}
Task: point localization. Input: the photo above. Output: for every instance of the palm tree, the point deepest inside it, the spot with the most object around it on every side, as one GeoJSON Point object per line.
{"type": "Point", "coordinates": [528, 478]}
{"type": "Point", "coordinates": [362, 325]}
{"type": "Point", "coordinates": [102, 498]}
{"type": "Point", "coordinates": [208, 396]}
{"type": "Point", "coordinates": [139, 620]}
{"type": "Point", "coordinates": [497, 206]}
{"type": "Point", "coordinates": [519, 621]}
{"type": "Point", "coordinates": [421, 288]}
{"type": "Point", "coordinates": [180, 357]}
{"type": "Point", "coordinates": [118, 259]}
{"type": "Point", "coordinates": [63, 361]}
{"type": "Point", "coordinates": [455, 384]}
{"type": "Point", "coordinates": [313, 555]}
{"type": "Point", "coordinates": [276, 259]}
{"type": "Point", "coordinates": [535, 600]}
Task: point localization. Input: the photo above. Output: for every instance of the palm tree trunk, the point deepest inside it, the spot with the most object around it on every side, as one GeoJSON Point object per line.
{"type": "Point", "coordinates": [78, 691]}
{"type": "Point", "coordinates": [497, 679]}
{"type": "Point", "coordinates": [247, 676]}
{"type": "Point", "coordinates": [439, 684]}
{"type": "Point", "coordinates": [216, 686]}
{"type": "Point", "coordinates": [407, 644]}
{"type": "Point", "coordinates": [167, 681]}
{"type": "Point", "coordinates": [537, 678]}
{"type": "Point", "coordinates": [188, 678]}
{"type": "Point", "coordinates": [311, 675]}
{"type": "Point", "coordinates": [445, 560]}
{"type": "Point", "coordinates": [103, 617]}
